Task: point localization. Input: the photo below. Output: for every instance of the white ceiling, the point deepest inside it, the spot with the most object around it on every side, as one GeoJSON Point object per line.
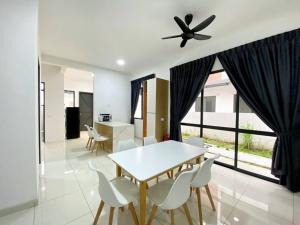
{"type": "Point", "coordinates": [80, 75]}
{"type": "Point", "coordinates": [98, 32]}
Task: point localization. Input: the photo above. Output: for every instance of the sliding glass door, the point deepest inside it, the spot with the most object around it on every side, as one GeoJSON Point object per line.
{"type": "Point", "coordinates": [230, 128]}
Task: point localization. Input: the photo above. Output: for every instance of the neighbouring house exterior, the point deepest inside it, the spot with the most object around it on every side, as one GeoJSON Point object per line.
{"type": "Point", "coordinates": [219, 110]}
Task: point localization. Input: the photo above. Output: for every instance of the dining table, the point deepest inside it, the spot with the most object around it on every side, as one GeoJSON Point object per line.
{"type": "Point", "coordinates": [145, 163]}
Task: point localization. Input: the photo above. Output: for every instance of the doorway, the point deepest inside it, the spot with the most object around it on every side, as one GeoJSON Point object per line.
{"type": "Point", "coordinates": [42, 111]}
{"type": "Point", "coordinates": [69, 98]}
{"type": "Point", "coordinates": [86, 109]}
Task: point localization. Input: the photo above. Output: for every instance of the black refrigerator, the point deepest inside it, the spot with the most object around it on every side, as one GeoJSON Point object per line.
{"type": "Point", "coordinates": [72, 122]}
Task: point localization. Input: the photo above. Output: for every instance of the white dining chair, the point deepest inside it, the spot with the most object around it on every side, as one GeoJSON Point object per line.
{"type": "Point", "coordinates": [201, 179]}
{"type": "Point", "coordinates": [149, 140]}
{"type": "Point", "coordinates": [99, 140]}
{"type": "Point", "coordinates": [195, 141]}
{"type": "Point", "coordinates": [117, 193]}
{"type": "Point", "coordinates": [123, 146]}
{"type": "Point", "coordinates": [169, 195]}
{"type": "Point", "coordinates": [91, 136]}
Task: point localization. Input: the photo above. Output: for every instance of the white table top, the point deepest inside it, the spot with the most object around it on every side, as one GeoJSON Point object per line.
{"type": "Point", "coordinates": [146, 162]}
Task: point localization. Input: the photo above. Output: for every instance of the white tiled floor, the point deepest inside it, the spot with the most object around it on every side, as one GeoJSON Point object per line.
{"type": "Point", "coordinates": [69, 195]}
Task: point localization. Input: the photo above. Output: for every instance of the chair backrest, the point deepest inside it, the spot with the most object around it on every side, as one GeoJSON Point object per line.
{"type": "Point", "coordinates": [203, 175]}
{"type": "Point", "coordinates": [126, 144]}
{"type": "Point", "coordinates": [149, 140]}
{"type": "Point", "coordinates": [95, 132]}
{"type": "Point", "coordinates": [106, 191]}
{"type": "Point", "coordinates": [180, 190]}
{"type": "Point", "coordinates": [90, 132]}
{"type": "Point", "coordinates": [196, 141]}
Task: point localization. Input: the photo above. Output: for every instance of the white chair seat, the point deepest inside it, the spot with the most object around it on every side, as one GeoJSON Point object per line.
{"type": "Point", "coordinates": [125, 190]}
{"type": "Point", "coordinates": [171, 194]}
{"type": "Point", "coordinates": [100, 138]}
{"type": "Point", "coordinates": [116, 193]}
{"type": "Point", "coordinates": [158, 192]}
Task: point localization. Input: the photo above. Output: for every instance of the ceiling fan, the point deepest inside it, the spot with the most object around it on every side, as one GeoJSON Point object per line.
{"type": "Point", "coordinates": [191, 33]}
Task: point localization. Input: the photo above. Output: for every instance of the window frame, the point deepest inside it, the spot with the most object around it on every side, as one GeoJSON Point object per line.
{"type": "Point", "coordinates": [141, 94]}
{"type": "Point", "coordinates": [234, 129]}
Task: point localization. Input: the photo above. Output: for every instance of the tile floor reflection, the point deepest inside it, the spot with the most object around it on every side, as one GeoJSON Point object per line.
{"type": "Point", "coordinates": [69, 194]}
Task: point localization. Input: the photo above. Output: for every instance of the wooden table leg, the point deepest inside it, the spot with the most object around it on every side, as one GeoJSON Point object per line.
{"type": "Point", "coordinates": [118, 171]}
{"type": "Point", "coordinates": [143, 187]}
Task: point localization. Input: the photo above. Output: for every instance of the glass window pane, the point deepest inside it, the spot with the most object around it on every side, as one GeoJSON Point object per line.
{"type": "Point", "coordinates": [138, 111]}
{"type": "Point", "coordinates": [193, 116]}
{"type": "Point", "coordinates": [255, 153]}
{"type": "Point", "coordinates": [42, 98]}
{"type": "Point", "coordinates": [220, 142]}
{"type": "Point", "coordinates": [248, 119]}
{"type": "Point", "coordinates": [218, 102]}
{"type": "Point", "coordinates": [187, 132]}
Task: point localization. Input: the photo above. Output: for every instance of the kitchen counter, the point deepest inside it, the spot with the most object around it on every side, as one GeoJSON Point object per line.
{"type": "Point", "coordinates": [115, 131]}
{"type": "Point", "coordinates": [114, 124]}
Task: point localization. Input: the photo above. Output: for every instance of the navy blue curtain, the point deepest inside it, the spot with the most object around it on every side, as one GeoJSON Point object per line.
{"type": "Point", "coordinates": [186, 83]}
{"type": "Point", "coordinates": [266, 74]}
{"type": "Point", "coordinates": [135, 92]}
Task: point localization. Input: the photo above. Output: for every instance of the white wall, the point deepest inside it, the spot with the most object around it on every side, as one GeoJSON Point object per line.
{"type": "Point", "coordinates": [54, 102]}
{"type": "Point", "coordinates": [19, 107]}
{"type": "Point", "coordinates": [111, 88]}
{"type": "Point", "coordinates": [112, 95]}
{"type": "Point", "coordinates": [78, 81]}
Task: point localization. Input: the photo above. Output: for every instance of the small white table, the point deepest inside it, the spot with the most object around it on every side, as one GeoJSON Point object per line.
{"type": "Point", "coordinates": [147, 162]}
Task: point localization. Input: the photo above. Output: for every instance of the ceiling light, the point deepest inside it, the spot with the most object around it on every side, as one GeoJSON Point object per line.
{"type": "Point", "coordinates": [121, 62]}
{"type": "Point", "coordinates": [236, 219]}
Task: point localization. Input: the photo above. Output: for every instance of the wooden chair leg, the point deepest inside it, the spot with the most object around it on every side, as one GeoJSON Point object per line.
{"type": "Point", "coordinates": [98, 212]}
{"type": "Point", "coordinates": [199, 206]}
{"type": "Point", "coordinates": [172, 217]}
{"type": "Point", "coordinates": [91, 143]}
{"type": "Point", "coordinates": [111, 215]}
{"type": "Point", "coordinates": [179, 169]}
{"type": "Point", "coordinates": [169, 175]}
{"type": "Point", "coordinates": [94, 146]}
{"type": "Point", "coordinates": [88, 142]}
{"type": "Point", "coordinates": [133, 214]}
{"type": "Point", "coordinates": [187, 213]}
{"type": "Point", "coordinates": [157, 180]}
{"type": "Point", "coordinates": [210, 197]}
{"type": "Point", "coordinates": [153, 212]}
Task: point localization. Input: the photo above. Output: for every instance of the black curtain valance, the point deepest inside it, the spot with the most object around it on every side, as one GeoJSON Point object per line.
{"type": "Point", "coordinates": [266, 74]}
{"type": "Point", "coordinates": [186, 83]}
{"type": "Point", "coordinates": [135, 91]}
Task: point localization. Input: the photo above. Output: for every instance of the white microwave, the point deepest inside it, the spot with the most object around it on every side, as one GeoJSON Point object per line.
{"type": "Point", "coordinates": [104, 117]}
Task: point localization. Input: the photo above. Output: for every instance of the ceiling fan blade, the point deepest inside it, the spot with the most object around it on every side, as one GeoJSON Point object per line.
{"type": "Point", "coordinates": [174, 36]}
{"type": "Point", "coordinates": [201, 37]}
{"type": "Point", "coordinates": [204, 24]}
{"type": "Point", "coordinates": [188, 19]}
{"type": "Point", "coordinates": [182, 25]}
{"type": "Point", "coordinates": [182, 44]}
